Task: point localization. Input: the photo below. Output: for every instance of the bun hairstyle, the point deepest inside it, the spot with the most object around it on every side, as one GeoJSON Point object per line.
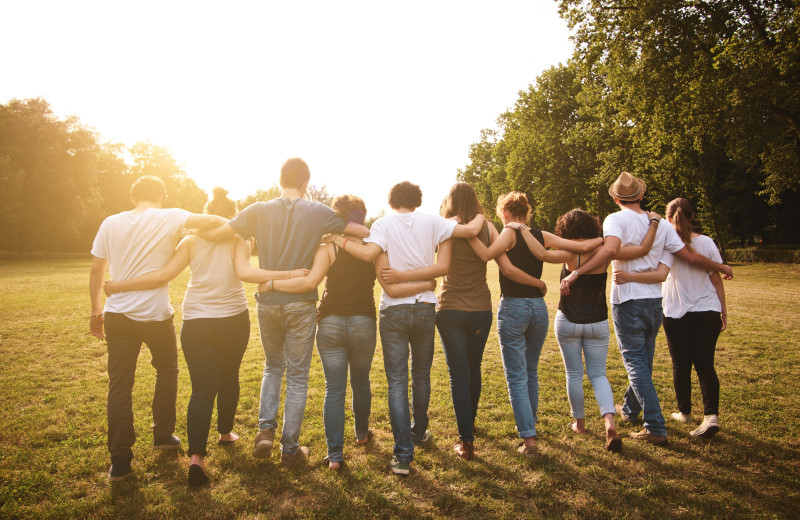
{"type": "Point", "coordinates": [516, 203]}
{"type": "Point", "coordinates": [461, 202]}
{"type": "Point", "coordinates": [221, 205]}
{"type": "Point", "coordinates": [681, 214]}
{"type": "Point", "coordinates": [350, 208]}
{"type": "Point", "coordinates": [577, 223]}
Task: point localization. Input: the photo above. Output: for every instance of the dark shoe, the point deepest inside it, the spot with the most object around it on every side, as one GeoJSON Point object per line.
{"type": "Point", "coordinates": [288, 459]}
{"type": "Point", "coordinates": [464, 450]}
{"type": "Point", "coordinates": [119, 470]}
{"type": "Point", "coordinates": [263, 445]}
{"type": "Point", "coordinates": [399, 468]}
{"type": "Point", "coordinates": [614, 443]}
{"type": "Point", "coordinates": [618, 408]}
{"type": "Point", "coordinates": [645, 435]}
{"type": "Point", "coordinates": [167, 443]}
{"type": "Point", "coordinates": [197, 477]}
{"type": "Point", "coordinates": [425, 439]}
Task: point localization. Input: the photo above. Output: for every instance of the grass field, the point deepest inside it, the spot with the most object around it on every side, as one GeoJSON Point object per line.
{"type": "Point", "coordinates": [53, 459]}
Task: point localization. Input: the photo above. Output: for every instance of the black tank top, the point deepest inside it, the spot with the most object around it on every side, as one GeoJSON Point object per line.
{"type": "Point", "coordinates": [523, 259]}
{"type": "Point", "coordinates": [348, 288]}
{"type": "Point", "coordinates": [586, 302]}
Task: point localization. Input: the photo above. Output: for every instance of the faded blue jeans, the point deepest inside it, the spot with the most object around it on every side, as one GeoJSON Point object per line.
{"type": "Point", "coordinates": [522, 326]}
{"type": "Point", "coordinates": [636, 324]}
{"type": "Point", "coordinates": [579, 341]}
{"type": "Point", "coordinates": [464, 335]}
{"type": "Point", "coordinates": [403, 326]}
{"type": "Point", "coordinates": [287, 335]}
{"type": "Point", "coordinates": [344, 341]}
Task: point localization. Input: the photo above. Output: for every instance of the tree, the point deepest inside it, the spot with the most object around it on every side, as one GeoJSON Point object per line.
{"type": "Point", "coordinates": [182, 191]}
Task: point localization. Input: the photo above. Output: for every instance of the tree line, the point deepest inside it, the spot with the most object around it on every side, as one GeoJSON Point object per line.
{"type": "Point", "coordinates": [701, 98]}
{"type": "Point", "coordinates": [59, 179]}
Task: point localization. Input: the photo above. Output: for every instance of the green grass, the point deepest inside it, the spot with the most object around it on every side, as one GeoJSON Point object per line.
{"type": "Point", "coordinates": [53, 459]}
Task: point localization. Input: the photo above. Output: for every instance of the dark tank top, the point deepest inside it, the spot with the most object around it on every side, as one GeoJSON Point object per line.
{"type": "Point", "coordinates": [586, 302]}
{"type": "Point", "coordinates": [523, 259]}
{"type": "Point", "coordinates": [348, 288]}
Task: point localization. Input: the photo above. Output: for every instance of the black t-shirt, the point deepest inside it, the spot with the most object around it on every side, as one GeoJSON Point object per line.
{"type": "Point", "coordinates": [348, 288]}
{"type": "Point", "coordinates": [523, 259]}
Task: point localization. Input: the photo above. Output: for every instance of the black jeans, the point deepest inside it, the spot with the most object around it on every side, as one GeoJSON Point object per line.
{"type": "Point", "coordinates": [124, 337]}
{"type": "Point", "coordinates": [692, 340]}
{"type": "Point", "coordinates": [213, 349]}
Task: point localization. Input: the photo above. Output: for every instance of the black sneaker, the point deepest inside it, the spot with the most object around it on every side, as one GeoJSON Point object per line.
{"type": "Point", "coordinates": [197, 477]}
{"type": "Point", "coordinates": [167, 443]}
{"type": "Point", "coordinates": [119, 470]}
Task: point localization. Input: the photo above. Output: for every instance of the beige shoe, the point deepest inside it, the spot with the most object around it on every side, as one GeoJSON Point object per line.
{"type": "Point", "coordinates": [263, 445]}
{"type": "Point", "coordinates": [645, 435]}
{"type": "Point", "coordinates": [681, 417]}
{"type": "Point", "coordinates": [301, 456]}
{"type": "Point", "coordinates": [529, 452]}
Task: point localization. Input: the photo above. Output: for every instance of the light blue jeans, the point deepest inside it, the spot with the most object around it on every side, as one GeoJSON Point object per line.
{"type": "Point", "coordinates": [287, 335]}
{"type": "Point", "coordinates": [636, 323]}
{"type": "Point", "coordinates": [590, 341]}
{"type": "Point", "coordinates": [522, 326]}
{"type": "Point", "coordinates": [344, 341]}
{"type": "Point", "coordinates": [403, 326]}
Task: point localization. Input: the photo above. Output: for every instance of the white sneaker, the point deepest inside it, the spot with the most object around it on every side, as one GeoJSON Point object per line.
{"type": "Point", "coordinates": [708, 428]}
{"type": "Point", "coordinates": [681, 417]}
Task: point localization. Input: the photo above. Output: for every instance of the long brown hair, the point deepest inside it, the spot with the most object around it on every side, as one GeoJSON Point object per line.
{"type": "Point", "coordinates": [461, 202]}
{"type": "Point", "coordinates": [680, 213]}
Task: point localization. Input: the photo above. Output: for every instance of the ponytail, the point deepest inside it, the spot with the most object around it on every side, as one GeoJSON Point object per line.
{"type": "Point", "coordinates": [680, 212]}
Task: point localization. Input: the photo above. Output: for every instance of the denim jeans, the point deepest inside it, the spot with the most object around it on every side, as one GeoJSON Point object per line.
{"type": "Point", "coordinates": [522, 326]}
{"type": "Point", "coordinates": [344, 341]}
{"type": "Point", "coordinates": [636, 323]}
{"type": "Point", "coordinates": [401, 326]}
{"type": "Point", "coordinates": [590, 341]}
{"type": "Point", "coordinates": [213, 349]}
{"type": "Point", "coordinates": [125, 337]}
{"type": "Point", "coordinates": [287, 335]}
{"type": "Point", "coordinates": [464, 336]}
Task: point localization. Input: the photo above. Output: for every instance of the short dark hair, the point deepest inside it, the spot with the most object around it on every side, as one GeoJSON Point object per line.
{"type": "Point", "coordinates": [350, 208]}
{"type": "Point", "coordinates": [294, 173]}
{"type": "Point", "coordinates": [577, 223]}
{"type": "Point", "coordinates": [405, 195]}
{"type": "Point", "coordinates": [148, 188]}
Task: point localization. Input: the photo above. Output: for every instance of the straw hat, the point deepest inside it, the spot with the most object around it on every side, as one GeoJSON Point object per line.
{"type": "Point", "coordinates": [627, 188]}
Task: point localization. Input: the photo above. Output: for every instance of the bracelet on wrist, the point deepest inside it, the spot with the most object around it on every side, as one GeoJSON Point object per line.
{"type": "Point", "coordinates": [93, 316]}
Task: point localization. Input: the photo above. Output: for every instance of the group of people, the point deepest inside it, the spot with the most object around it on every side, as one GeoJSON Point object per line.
{"type": "Point", "coordinates": [301, 242]}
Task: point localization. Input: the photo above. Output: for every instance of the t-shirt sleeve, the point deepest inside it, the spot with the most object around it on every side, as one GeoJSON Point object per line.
{"type": "Point", "coordinates": [444, 228]}
{"type": "Point", "coordinates": [672, 242]}
{"type": "Point", "coordinates": [246, 222]}
{"type": "Point", "coordinates": [709, 249]}
{"type": "Point", "coordinates": [613, 227]}
{"type": "Point", "coordinates": [329, 220]}
{"type": "Point", "coordinates": [666, 258]}
{"type": "Point", "coordinates": [100, 244]}
{"type": "Point", "coordinates": [178, 218]}
{"type": "Point", "coordinates": [377, 235]}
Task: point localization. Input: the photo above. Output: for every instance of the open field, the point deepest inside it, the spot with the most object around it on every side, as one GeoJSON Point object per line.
{"type": "Point", "coordinates": [53, 459]}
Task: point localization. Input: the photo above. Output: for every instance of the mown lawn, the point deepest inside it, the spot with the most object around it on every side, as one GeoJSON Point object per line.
{"type": "Point", "coordinates": [53, 459]}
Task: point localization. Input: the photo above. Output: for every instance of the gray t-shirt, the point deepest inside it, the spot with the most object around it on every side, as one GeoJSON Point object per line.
{"type": "Point", "coordinates": [287, 233]}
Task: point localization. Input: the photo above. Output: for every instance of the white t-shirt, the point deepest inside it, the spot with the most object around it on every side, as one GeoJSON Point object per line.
{"type": "Point", "coordinates": [689, 288]}
{"type": "Point", "coordinates": [134, 245]}
{"type": "Point", "coordinates": [631, 227]}
{"type": "Point", "coordinates": [214, 290]}
{"type": "Point", "coordinates": [410, 241]}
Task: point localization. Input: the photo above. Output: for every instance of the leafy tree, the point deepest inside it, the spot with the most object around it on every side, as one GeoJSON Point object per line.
{"type": "Point", "coordinates": [182, 191]}
{"type": "Point", "coordinates": [273, 192]}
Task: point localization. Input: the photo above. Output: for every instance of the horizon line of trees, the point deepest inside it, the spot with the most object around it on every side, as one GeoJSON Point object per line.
{"type": "Point", "coordinates": [59, 180]}
{"type": "Point", "coordinates": [700, 98]}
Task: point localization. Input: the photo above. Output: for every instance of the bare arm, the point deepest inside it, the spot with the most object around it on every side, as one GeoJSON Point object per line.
{"type": "Point", "coordinates": [323, 259]}
{"type": "Point", "coordinates": [516, 274]}
{"type": "Point", "coordinates": [574, 246]}
{"type": "Point", "coordinates": [611, 245]}
{"type": "Point", "coordinates": [703, 262]}
{"type": "Point", "coordinates": [218, 233]}
{"type": "Point", "coordinates": [247, 273]}
{"type": "Point", "coordinates": [657, 276]}
{"type": "Point", "coordinates": [561, 255]}
{"type": "Point", "coordinates": [435, 270]}
{"type": "Point", "coordinates": [366, 252]}
{"type": "Point", "coordinates": [631, 252]}
{"type": "Point", "coordinates": [201, 221]}
{"type": "Point", "coordinates": [175, 266]}
{"type": "Point", "coordinates": [499, 245]}
{"type": "Point", "coordinates": [400, 290]}
{"type": "Point", "coordinates": [97, 276]}
{"type": "Point", "coordinates": [716, 281]}
{"type": "Point", "coordinates": [357, 230]}
{"type": "Point", "coordinates": [471, 229]}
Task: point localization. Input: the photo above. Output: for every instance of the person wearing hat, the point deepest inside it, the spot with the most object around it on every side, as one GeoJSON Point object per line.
{"type": "Point", "coordinates": [636, 307]}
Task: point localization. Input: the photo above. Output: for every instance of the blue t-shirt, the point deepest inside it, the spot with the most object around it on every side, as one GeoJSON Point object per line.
{"type": "Point", "coordinates": [287, 233]}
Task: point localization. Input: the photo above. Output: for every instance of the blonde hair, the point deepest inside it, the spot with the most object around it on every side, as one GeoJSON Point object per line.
{"type": "Point", "coordinates": [516, 203]}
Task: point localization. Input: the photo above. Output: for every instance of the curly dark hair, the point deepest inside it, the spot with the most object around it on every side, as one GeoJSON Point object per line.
{"type": "Point", "coordinates": [516, 203]}
{"type": "Point", "coordinates": [577, 223]}
{"type": "Point", "coordinates": [405, 195]}
{"type": "Point", "coordinates": [350, 208]}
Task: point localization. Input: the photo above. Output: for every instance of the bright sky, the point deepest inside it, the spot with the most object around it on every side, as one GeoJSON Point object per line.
{"type": "Point", "coordinates": [369, 93]}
